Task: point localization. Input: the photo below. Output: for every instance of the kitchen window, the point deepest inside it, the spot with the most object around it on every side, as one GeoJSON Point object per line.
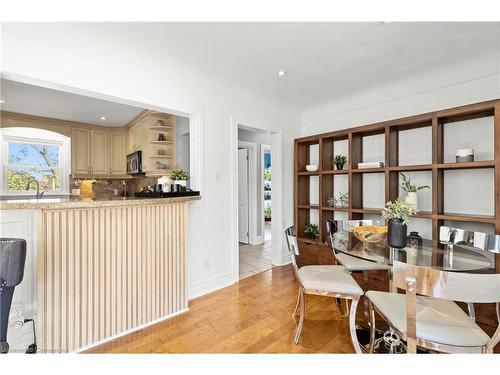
{"type": "Point", "coordinates": [34, 154]}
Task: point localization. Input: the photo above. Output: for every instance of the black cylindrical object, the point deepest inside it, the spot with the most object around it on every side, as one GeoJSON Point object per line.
{"type": "Point", "coordinates": [397, 233]}
{"type": "Point", "coordinates": [12, 259]}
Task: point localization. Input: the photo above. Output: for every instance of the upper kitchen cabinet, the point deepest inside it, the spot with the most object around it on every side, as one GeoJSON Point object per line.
{"type": "Point", "coordinates": [117, 152]}
{"type": "Point", "coordinates": [80, 155]}
{"type": "Point", "coordinates": [99, 152]}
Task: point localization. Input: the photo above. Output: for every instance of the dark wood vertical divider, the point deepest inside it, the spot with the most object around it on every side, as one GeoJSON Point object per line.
{"type": "Point", "coordinates": [497, 178]}
{"type": "Point", "coordinates": [437, 174]}
{"type": "Point", "coordinates": [391, 160]}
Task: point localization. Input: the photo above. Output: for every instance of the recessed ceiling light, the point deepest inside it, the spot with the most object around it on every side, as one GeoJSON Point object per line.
{"type": "Point", "coordinates": [103, 118]}
{"type": "Point", "coordinates": [281, 73]}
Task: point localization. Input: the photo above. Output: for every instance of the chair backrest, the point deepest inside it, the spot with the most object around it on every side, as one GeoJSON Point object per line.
{"type": "Point", "coordinates": [454, 286]}
{"type": "Point", "coordinates": [333, 226]}
{"type": "Point", "coordinates": [457, 236]}
{"type": "Point", "coordinates": [293, 248]}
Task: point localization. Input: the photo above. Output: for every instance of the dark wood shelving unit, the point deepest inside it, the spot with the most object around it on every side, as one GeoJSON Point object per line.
{"type": "Point", "coordinates": [316, 251]}
{"type": "Point", "coordinates": [390, 130]}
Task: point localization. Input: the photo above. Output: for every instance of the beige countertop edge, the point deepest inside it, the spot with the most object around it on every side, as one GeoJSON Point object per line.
{"type": "Point", "coordinates": [51, 205]}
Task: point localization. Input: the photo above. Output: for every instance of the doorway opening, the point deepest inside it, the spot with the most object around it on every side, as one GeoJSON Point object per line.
{"type": "Point", "coordinates": [254, 202]}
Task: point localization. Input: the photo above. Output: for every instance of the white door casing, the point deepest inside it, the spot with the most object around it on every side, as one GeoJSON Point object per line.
{"type": "Point", "coordinates": [243, 195]}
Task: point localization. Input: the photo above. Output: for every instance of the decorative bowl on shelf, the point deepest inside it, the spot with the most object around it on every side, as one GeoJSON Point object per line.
{"type": "Point", "coordinates": [311, 167]}
{"type": "Point", "coordinates": [370, 233]}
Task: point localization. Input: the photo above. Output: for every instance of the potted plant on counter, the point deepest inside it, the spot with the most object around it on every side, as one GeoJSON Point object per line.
{"type": "Point", "coordinates": [312, 230]}
{"type": "Point", "coordinates": [411, 190]}
{"type": "Point", "coordinates": [397, 214]}
{"type": "Point", "coordinates": [339, 161]}
{"type": "Point", "coordinates": [179, 177]}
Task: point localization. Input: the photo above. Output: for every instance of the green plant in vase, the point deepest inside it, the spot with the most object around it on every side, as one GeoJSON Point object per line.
{"type": "Point", "coordinates": [397, 214]}
{"type": "Point", "coordinates": [267, 214]}
{"type": "Point", "coordinates": [179, 177]}
{"type": "Point", "coordinates": [411, 190]}
{"type": "Point", "coordinates": [312, 230]}
{"type": "Point", "coordinates": [339, 161]}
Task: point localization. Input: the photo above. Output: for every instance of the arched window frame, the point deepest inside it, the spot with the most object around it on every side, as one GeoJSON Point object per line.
{"type": "Point", "coordinates": [35, 136]}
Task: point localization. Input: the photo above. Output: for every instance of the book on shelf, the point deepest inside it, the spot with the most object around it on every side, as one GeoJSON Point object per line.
{"type": "Point", "coordinates": [372, 164]}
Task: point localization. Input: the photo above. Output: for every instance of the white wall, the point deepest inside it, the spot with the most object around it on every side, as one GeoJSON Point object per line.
{"type": "Point", "coordinates": [463, 83]}
{"type": "Point", "coordinates": [259, 139]}
{"type": "Point", "coordinates": [110, 60]}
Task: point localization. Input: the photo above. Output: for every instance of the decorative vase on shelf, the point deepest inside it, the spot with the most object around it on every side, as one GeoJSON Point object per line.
{"type": "Point", "coordinates": [415, 240]}
{"type": "Point", "coordinates": [180, 185]}
{"type": "Point", "coordinates": [339, 166]}
{"type": "Point", "coordinates": [412, 198]}
{"type": "Point", "coordinates": [397, 233]}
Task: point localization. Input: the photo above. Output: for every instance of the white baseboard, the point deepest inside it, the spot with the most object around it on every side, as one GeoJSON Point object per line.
{"type": "Point", "coordinates": [124, 333]}
{"type": "Point", "coordinates": [258, 240]}
{"type": "Point", "coordinates": [210, 285]}
{"type": "Point", "coordinates": [287, 259]}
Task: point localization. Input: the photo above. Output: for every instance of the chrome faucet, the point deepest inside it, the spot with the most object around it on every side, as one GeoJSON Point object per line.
{"type": "Point", "coordinates": [38, 194]}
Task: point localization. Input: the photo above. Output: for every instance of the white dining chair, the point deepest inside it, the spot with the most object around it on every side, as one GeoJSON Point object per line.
{"type": "Point", "coordinates": [323, 280]}
{"type": "Point", "coordinates": [478, 241]}
{"type": "Point", "coordinates": [427, 315]}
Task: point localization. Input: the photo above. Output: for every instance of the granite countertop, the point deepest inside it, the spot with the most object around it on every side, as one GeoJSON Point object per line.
{"type": "Point", "coordinates": [63, 203]}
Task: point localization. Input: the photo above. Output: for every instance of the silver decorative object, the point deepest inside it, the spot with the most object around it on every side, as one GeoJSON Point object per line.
{"type": "Point", "coordinates": [341, 202]}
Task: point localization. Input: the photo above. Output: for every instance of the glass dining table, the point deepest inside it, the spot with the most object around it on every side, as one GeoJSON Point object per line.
{"type": "Point", "coordinates": [427, 253]}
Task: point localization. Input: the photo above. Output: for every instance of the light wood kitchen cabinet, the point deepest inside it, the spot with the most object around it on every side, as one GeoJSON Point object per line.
{"type": "Point", "coordinates": [99, 152]}
{"type": "Point", "coordinates": [80, 151]}
{"type": "Point", "coordinates": [117, 152]}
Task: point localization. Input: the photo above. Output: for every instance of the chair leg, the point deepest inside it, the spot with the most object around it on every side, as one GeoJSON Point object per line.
{"type": "Point", "coordinates": [352, 325]}
{"type": "Point", "coordinates": [294, 314]}
{"type": "Point", "coordinates": [472, 311]}
{"type": "Point", "coordinates": [372, 326]}
{"type": "Point", "coordinates": [301, 319]}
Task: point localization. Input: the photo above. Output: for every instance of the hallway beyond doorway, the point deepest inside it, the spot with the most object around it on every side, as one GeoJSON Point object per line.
{"type": "Point", "coordinates": [256, 258]}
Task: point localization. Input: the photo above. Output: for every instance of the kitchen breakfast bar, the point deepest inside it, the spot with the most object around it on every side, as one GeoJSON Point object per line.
{"type": "Point", "coordinates": [99, 268]}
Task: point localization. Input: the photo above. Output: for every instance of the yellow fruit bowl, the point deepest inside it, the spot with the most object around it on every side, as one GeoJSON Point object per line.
{"type": "Point", "coordinates": [370, 233]}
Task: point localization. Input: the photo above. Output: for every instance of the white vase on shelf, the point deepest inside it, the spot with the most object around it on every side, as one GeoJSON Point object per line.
{"type": "Point", "coordinates": [412, 198]}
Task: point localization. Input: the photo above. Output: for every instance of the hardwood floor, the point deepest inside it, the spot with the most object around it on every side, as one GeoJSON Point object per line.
{"type": "Point", "coordinates": [253, 316]}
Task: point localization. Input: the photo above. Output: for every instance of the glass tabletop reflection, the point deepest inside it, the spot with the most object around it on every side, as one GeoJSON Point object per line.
{"type": "Point", "coordinates": [431, 254]}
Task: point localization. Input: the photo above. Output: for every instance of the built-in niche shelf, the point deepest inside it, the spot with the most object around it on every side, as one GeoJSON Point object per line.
{"type": "Point", "coordinates": [165, 128]}
{"type": "Point", "coordinates": [162, 142]}
{"type": "Point", "coordinates": [419, 146]}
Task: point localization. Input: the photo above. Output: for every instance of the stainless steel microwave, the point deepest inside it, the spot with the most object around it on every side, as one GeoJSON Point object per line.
{"type": "Point", "coordinates": [134, 163]}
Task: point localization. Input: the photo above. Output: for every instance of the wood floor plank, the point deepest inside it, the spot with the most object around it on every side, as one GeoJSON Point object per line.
{"type": "Point", "coordinates": [253, 316]}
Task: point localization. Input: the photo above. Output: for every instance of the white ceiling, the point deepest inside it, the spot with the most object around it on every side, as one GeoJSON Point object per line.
{"type": "Point", "coordinates": [39, 101]}
{"type": "Point", "coordinates": [324, 61]}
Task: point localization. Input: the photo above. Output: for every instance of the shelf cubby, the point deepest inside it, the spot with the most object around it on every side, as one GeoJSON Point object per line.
{"type": "Point", "coordinates": [476, 133]}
